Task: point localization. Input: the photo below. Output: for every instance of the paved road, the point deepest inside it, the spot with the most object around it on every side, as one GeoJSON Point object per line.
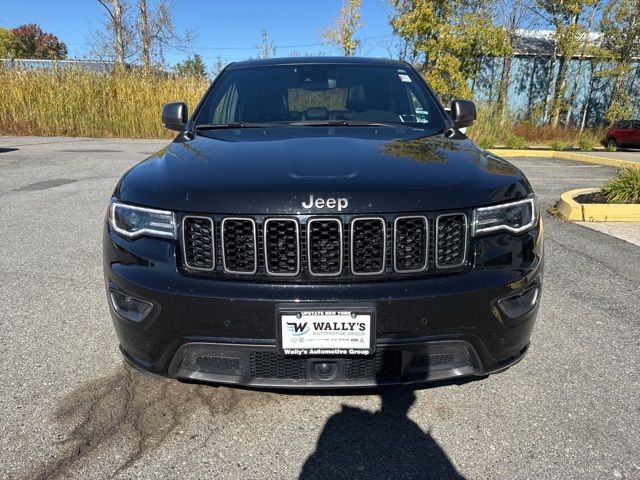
{"type": "Point", "coordinates": [629, 154]}
{"type": "Point", "coordinates": [70, 409]}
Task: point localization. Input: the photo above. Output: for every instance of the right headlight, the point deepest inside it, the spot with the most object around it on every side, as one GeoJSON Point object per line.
{"type": "Point", "coordinates": [131, 221]}
{"type": "Point", "coordinates": [514, 217]}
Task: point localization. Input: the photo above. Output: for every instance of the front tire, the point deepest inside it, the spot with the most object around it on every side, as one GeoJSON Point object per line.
{"type": "Point", "coordinates": [612, 145]}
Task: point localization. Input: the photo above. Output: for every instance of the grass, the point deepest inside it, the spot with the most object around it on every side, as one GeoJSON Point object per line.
{"type": "Point", "coordinates": [585, 144]}
{"type": "Point", "coordinates": [515, 134]}
{"type": "Point", "coordinates": [515, 142]}
{"type": "Point", "coordinates": [558, 145]}
{"type": "Point", "coordinates": [486, 142]}
{"type": "Point", "coordinates": [127, 104]}
{"type": "Point", "coordinates": [624, 187]}
{"type": "Point", "coordinates": [70, 102]}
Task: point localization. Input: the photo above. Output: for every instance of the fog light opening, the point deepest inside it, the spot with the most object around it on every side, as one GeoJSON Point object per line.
{"type": "Point", "coordinates": [515, 307]}
{"type": "Point", "coordinates": [130, 307]}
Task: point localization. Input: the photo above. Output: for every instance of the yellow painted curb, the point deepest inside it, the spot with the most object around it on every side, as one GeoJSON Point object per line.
{"type": "Point", "coordinates": [569, 208]}
{"type": "Point", "coordinates": [595, 212]}
{"type": "Point", "coordinates": [577, 157]}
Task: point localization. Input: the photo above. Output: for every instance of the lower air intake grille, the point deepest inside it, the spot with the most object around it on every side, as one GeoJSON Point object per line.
{"type": "Point", "coordinates": [432, 360]}
{"type": "Point", "coordinates": [451, 240]}
{"type": "Point", "coordinates": [198, 243]}
{"type": "Point", "coordinates": [216, 364]}
{"type": "Point", "coordinates": [272, 365]}
{"type": "Point", "coordinates": [368, 246]}
{"type": "Point", "coordinates": [385, 364]}
{"type": "Point", "coordinates": [239, 245]}
{"type": "Point", "coordinates": [324, 245]}
{"type": "Point", "coordinates": [282, 251]}
{"type": "Point", "coordinates": [410, 244]}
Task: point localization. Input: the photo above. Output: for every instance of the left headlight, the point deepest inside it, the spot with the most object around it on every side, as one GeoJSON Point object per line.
{"type": "Point", "coordinates": [514, 217]}
{"type": "Point", "coordinates": [132, 221]}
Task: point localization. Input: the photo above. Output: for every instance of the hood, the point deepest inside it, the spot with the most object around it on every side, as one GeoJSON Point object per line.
{"type": "Point", "coordinates": [285, 170]}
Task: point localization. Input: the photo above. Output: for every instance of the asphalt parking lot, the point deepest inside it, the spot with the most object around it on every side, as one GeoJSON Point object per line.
{"type": "Point", "coordinates": [71, 409]}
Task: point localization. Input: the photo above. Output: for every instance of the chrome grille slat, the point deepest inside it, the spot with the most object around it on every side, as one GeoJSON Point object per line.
{"type": "Point", "coordinates": [239, 241]}
{"type": "Point", "coordinates": [198, 243]}
{"type": "Point", "coordinates": [410, 243]}
{"type": "Point", "coordinates": [451, 237]}
{"type": "Point", "coordinates": [325, 247]}
{"type": "Point", "coordinates": [368, 246]}
{"type": "Point", "coordinates": [281, 247]}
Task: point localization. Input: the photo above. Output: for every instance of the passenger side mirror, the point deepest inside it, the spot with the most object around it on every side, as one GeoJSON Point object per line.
{"type": "Point", "coordinates": [463, 113]}
{"type": "Point", "coordinates": [174, 116]}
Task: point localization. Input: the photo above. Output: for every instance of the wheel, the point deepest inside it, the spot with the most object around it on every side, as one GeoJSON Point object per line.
{"type": "Point", "coordinates": [612, 144]}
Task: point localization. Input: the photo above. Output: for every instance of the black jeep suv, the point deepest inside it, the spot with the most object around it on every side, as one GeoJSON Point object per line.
{"type": "Point", "coordinates": [322, 222]}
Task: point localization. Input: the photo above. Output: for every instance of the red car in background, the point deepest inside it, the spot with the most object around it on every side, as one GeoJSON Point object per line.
{"type": "Point", "coordinates": [625, 133]}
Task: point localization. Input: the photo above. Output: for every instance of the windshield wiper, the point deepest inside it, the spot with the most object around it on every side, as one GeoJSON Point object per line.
{"type": "Point", "coordinates": [345, 123]}
{"type": "Point", "coordinates": [320, 123]}
{"type": "Point", "coordinates": [215, 126]}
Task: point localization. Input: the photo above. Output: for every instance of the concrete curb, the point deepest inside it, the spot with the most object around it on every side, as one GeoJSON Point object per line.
{"type": "Point", "coordinates": [595, 212]}
{"type": "Point", "coordinates": [576, 157]}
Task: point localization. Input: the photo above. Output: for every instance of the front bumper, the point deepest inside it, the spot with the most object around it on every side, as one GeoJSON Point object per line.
{"type": "Point", "coordinates": [224, 331]}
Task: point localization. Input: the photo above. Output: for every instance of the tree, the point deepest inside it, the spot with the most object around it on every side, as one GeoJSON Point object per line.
{"type": "Point", "coordinates": [192, 67]}
{"type": "Point", "coordinates": [266, 49]}
{"type": "Point", "coordinates": [446, 39]}
{"type": "Point", "coordinates": [6, 42]}
{"type": "Point", "coordinates": [218, 66]}
{"type": "Point", "coordinates": [513, 15]}
{"type": "Point", "coordinates": [115, 40]}
{"type": "Point", "coordinates": [620, 28]}
{"type": "Point", "coordinates": [342, 32]}
{"type": "Point", "coordinates": [157, 32]}
{"type": "Point", "coordinates": [569, 35]}
{"type": "Point", "coordinates": [29, 41]}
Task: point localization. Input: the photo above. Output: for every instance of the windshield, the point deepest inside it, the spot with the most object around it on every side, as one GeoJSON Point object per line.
{"type": "Point", "coordinates": [311, 94]}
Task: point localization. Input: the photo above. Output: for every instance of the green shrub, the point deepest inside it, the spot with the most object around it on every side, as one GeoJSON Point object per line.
{"type": "Point", "coordinates": [515, 142]}
{"type": "Point", "coordinates": [585, 144]}
{"type": "Point", "coordinates": [624, 187]}
{"type": "Point", "coordinates": [558, 145]}
{"type": "Point", "coordinates": [487, 142]}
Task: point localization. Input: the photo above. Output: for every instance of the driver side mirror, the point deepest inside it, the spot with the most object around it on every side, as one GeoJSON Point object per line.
{"type": "Point", "coordinates": [463, 113]}
{"type": "Point", "coordinates": [174, 116]}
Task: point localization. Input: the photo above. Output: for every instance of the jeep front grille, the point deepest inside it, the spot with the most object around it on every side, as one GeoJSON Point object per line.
{"type": "Point", "coordinates": [307, 247]}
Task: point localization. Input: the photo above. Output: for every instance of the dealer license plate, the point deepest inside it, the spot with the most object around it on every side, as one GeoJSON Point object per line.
{"type": "Point", "coordinates": [326, 332]}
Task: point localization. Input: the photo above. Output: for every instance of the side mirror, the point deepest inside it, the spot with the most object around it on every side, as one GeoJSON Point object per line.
{"type": "Point", "coordinates": [463, 113]}
{"type": "Point", "coordinates": [174, 116]}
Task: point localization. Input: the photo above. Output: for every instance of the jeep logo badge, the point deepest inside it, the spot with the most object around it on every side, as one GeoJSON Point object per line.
{"type": "Point", "coordinates": [340, 203]}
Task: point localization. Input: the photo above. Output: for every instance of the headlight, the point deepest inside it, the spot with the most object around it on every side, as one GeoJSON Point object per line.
{"type": "Point", "coordinates": [515, 217]}
{"type": "Point", "coordinates": [131, 221]}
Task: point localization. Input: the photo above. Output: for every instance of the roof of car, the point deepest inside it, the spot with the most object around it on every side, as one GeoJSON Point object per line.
{"type": "Point", "coordinates": [317, 60]}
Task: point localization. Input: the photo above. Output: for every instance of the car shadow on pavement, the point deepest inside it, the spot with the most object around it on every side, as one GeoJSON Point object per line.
{"type": "Point", "coordinates": [7, 149]}
{"type": "Point", "coordinates": [358, 444]}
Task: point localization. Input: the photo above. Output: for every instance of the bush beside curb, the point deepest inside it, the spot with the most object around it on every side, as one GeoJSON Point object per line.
{"type": "Point", "coordinates": [595, 212]}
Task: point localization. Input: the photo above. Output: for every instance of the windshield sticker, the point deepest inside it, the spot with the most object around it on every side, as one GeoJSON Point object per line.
{"type": "Point", "coordinates": [405, 78]}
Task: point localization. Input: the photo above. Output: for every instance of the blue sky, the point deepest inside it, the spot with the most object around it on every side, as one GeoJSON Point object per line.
{"type": "Point", "coordinates": [230, 29]}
